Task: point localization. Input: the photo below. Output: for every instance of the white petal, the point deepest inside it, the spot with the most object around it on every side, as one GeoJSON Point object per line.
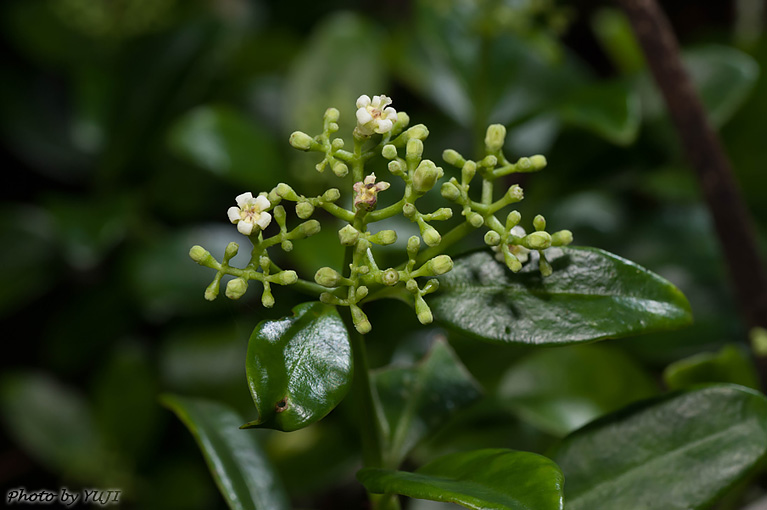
{"type": "Point", "coordinates": [370, 179]}
{"type": "Point", "coordinates": [262, 203]}
{"type": "Point", "coordinates": [245, 227]}
{"type": "Point", "coordinates": [390, 113]}
{"type": "Point", "coordinates": [376, 102]}
{"type": "Point", "coordinates": [363, 101]}
{"type": "Point", "coordinates": [384, 126]}
{"type": "Point", "coordinates": [263, 220]}
{"type": "Point", "coordinates": [363, 116]}
{"type": "Point", "coordinates": [242, 199]}
{"type": "Point", "coordinates": [385, 101]}
{"type": "Point", "coordinates": [234, 214]}
{"type": "Point", "coordinates": [518, 231]}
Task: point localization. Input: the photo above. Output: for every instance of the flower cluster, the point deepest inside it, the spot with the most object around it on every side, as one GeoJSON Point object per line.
{"type": "Point", "coordinates": [382, 132]}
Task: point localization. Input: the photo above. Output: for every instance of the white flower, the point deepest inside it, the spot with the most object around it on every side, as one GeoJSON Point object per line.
{"type": "Point", "coordinates": [250, 213]}
{"type": "Point", "coordinates": [522, 253]}
{"type": "Point", "coordinates": [375, 116]}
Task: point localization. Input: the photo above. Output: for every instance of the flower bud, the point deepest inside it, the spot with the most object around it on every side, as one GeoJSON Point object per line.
{"type": "Point", "coordinates": [511, 261]}
{"type": "Point", "coordinates": [545, 266]}
{"type": "Point", "coordinates": [286, 245]}
{"type": "Point", "coordinates": [431, 237]}
{"type": "Point", "coordinates": [495, 137]}
{"type": "Point", "coordinates": [264, 262]}
{"type": "Point", "coordinates": [431, 286]}
{"type": "Point", "coordinates": [288, 277]}
{"type": "Point", "coordinates": [329, 299]}
{"type": "Point", "coordinates": [409, 210]}
{"type": "Point", "coordinates": [384, 237]}
{"type": "Point", "coordinates": [348, 235]}
{"type": "Point", "coordinates": [327, 277]}
{"type": "Point", "coordinates": [561, 238]}
{"type": "Point", "coordinates": [231, 250]}
{"type": "Point", "coordinates": [302, 141]}
{"type": "Point", "coordinates": [538, 240]}
{"type": "Point", "coordinates": [488, 161]}
{"type": "Point", "coordinates": [360, 320]}
{"type": "Point", "coordinates": [442, 214]}
{"type": "Point", "coordinates": [425, 176]}
{"type": "Point", "coordinates": [331, 195]}
{"type": "Point", "coordinates": [492, 238]}
{"type": "Point", "coordinates": [266, 298]}
{"type": "Point", "coordinates": [211, 292]}
{"type": "Point", "coordinates": [524, 164]}
{"type": "Point", "coordinates": [440, 264]}
{"type": "Point", "coordinates": [539, 222]}
{"type": "Point", "coordinates": [304, 210]}
{"type": "Point", "coordinates": [411, 286]}
{"type": "Point", "coordinates": [236, 288]}
{"type": "Point", "coordinates": [422, 310]}
{"type": "Point", "coordinates": [513, 219]}
{"type": "Point", "coordinates": [390, 277]}
{"type": "Point", "coordinates": [419, 132]}
{"type": "Point", "coordinates": [516, 193]}
{"type": "Point", "coordinates": [337, 144]}
{"type": "Point", "coordinates": [538, 162]}
{"type": "Point", "coordinates": [452, 157]}
{"type": "Point", "coordinates": [396, 168]}
{"type": "Point", "coordinates": [339, 168]}
{"type": "Point", "coordinates": [403, 119]}
{"type": "Point", "coordinates": [332, 127]}
{"type": "Point", "coordinates": [309, 228]}
{"type": "Point", "coordinates": [389, 151]}
{"type": "Point", "coordinates": [198, 254]}
{"type": "Point", "coordinates": [475, 219]}
{"type": "Point", "coordinates": [363, 245]}
{"type": "Point", "coordinates": [414, 149]}
{"type": "Point", "coordinates": [450, 191]}
{"type": "Point", "coordinates": [285, 191]}
{"type": "Point", "coordinates": [413, 244]}
{"type": "Point", "coordinates": [361, 292]}
{"type": "Point", "coordinates": [332, 115]}
{"type": "Point", "coordinates": [279, 214]}
{"type": "Point", "coordinates": [468, 170]}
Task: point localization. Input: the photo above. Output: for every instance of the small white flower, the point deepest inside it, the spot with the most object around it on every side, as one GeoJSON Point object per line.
{"type": "Point", "coordinates": [375, 116]}
{"type": "Point", "coordinates": [250, 213]}
{"type": "Point", "coordinates": [522, 253]}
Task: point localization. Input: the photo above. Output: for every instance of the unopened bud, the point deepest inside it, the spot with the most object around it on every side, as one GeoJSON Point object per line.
{"type": "Point", "coordinates": [361, 292]}
{"type": "Point", "coordinates": [488, 161]}
{"type": "Point", "coordinates": [495, 137]}
{"type": "Point", "coordinates": [468, 170]}
{"type": "Point", "coordinates": [440, 264]}
{"type": "Point", "coordinates": [475, 219]}
{"type": "Point", "coordinates": [537, 162]}
{"type": "Point", "coordinates": [516, 193]}
{"type": "Point", "coordinates": [538, 240]}
{"type": "Point", "coordinates": [304, 210]}
{"type": "Point", "coordinates": [513, 219]}
{"type": "Point", "coordinates": [286, 191]}
{"type": "Point", "coordinates": [327, 277]}
{"type": "Point", "coordinates": [286, 245]}
{"type": "Point", "coordinates": [539, 222]}
{"type": "Point", "coordinates": [309, 228]}
{"type": "Point", "coordinates": [431, 286]}
{"type": "Point", "coordinates": [337, 144]}
{"type": "Point", "coordinates": [211, 292]}
{"type": "Point", "coordinates": [390, 277]}
{"type": "Point", "coordinates": [409, 210]}
{"type": "Point", "coordinates": [524, 164]}
{"type": "Point", "coordinates": [422, 310]}
{"type": "Point", "coordinates": [389, 151]}
{"type": "Point", "coordinates": [384, 237]}
{"type": "Point", "coordinates": [332, 127]}
{"type": "Point", "coordinates": [231, 250]}
{"type": "Point", "coordinates": [412, 286]}
{"type": "Point", "coordinates": [331, 195]}
{"type": "Point", "coordinates": [396, 168]}
{"type": "Point", "coordinates": [419, 132]}
{"type": "Point", "coordinates": [403, 119]}
{"type": "Point", "coordinates": [450, 191]}
{"type": "Point", "coordinates": [332, 115]}
{"type": "Point", "coordinates": [414, 149]}
{"type": "Point", "coordinates": [236, 288]}
{"type": "Point", "coordinates": [266, 298]}
{"type": "Point", "coordinates": [339, 168]}
{"type": "Point", "coordinates": [431, 237]}
{"type": "Point", "coordinates": [288, 277]}
{"type": "Point", "coordinates": [492, 238]}
{"type": "Point", "coordinates": [360, 320]}
{"type": "Point", "coordinates": [413, 244]}
{"type": "Point", "coordinates": [279, 214]}
{"type": "Point", "coordinates": [264, 262]}
{"type": "Point", "coordinates": [545, 266]}
{"type": "Point", "coordinates": [302, 141]}
{"type": "Point", "coordinates": [348, 235]}
{"type": "Point", "coordinates": [198, 254]}
{"type": "Point", "coordinates": [442, 214]}
{"type": "Point", "coordinates": [452, 157]}
{"type": "Point", "coordinates": [426, 176]}
{"type": "Point", "coordinates": [561, 238]}
{"type": "Point", "coordinates": [511, 261]}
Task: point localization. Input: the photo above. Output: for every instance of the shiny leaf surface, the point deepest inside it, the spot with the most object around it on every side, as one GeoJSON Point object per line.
{"type": "Point", "coordinates": [592, 295]}
{"type": "Point", "coordinates": [681, 451]}
{"type": "Point", "coordinates": [238, 464]}
{"type": "Point", "coordinates": [610, 109]}
{"type": "Point", "coordinates": [495, 479]}
{"type": "Point", "coordinates": [299, 368]}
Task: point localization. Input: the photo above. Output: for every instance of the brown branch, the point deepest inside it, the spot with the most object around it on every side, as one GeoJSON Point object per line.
{"type": "Point", "coordinates": [705, 152]}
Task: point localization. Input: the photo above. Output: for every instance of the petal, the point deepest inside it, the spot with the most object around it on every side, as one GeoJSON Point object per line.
{"type": "Point", "coordinates": [262, 203]}
{"type": "Point", "coordinates": [363, 116]}
{"type": "Point", "coordinates": [382, 186]}
{"type": "Point", "coordinates": [390, 113]}
{"type": "Point", "coordinates": [263, 220]}
{"type": "Point", "coordinates": [234, 214]}
{"type": "Point", "coordinates": [385, 100]}
{"type": "Point", "coordinates": [376, 102]}
{"type": "Point", "coordinates": [370, 179]}
{"type": "Point", "coordinates": [518, 231]}
{"type": "Point", "coordinates": [363, 101]}
{"type": "Point", "coordinates": [383, 126]}
{"type": "Point", "coordinates": [245, 227]}
{"type": "Point", "coordinates": [242, 200]}
{"type": "Point", "coordinates": [358, 186]}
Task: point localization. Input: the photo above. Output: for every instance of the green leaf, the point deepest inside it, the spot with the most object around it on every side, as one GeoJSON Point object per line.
{"type": "Point", "coordinates": [496, 479]}
{"type": "Point", "coordinates": [238, 464]}
{"type": "Point", "coordinates": [560, 390]}
{"type": "Point", "coordinates": [729, 365]}
{"type": "Point", "coordinates": [419, 399]}
{"type": "Point", "coordinates": [610, 109]}
{"type": "Point", "coordinates": [226, 143]}
{"type": "Point", "coordinates": [299, 368]}
{"type": "Point", "coordinates": [680, 451]}
{"type": "Point", "coordinates": [592, 295]}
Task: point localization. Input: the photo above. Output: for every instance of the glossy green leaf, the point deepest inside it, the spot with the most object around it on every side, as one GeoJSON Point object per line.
{"type": "Point", "coordinates": [239, 466]}
{"type": "Point", "coordinates": [729, 365]}
{"type": "Point", "coordinates": [299, 368]}
{"type": "Point", "coordinates": [495, 479]}
{"type": "Point", "coordinates": [592, 295]}
{"type": "Point", "coordinates": [419, 399]}
{"type": "Point", "coordinates": [609, 109]}
{"type": "Point", "coordinates": [560, 390]}
{"type": "Point", "coordinates": [226, 143]}
{"type": "Point", "coordinates": [681, 451]}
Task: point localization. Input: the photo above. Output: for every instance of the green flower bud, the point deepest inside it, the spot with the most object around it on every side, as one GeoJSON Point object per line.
{"type": "Point", "coordinates": [309, 228]}
{"type": "Point", "coordinates": [329, 299]}
{"type": "Point", "coordinates": [337, 144]}
{"type": "Point", "coordinates": [440, 264]}
{"type": "Point", "coordinates": [286, 245]}
{"type": "Point", "coordinates": [348, 235]}
{"type": "Point", "coordinates": [211, 292]}
{"type": "Point", "coordinates": [264, 262]}
{"type": "Point", "coordinates": [561, 238]}
{"type": "Point", "coordinates": [495, 137]}
{"type": "Point", "coordinates": [279, 214]}
{"type": "Point", "coordinates": [339, 168]}
{"type": "Point", "coordinates": [362, 269]}
{"type": "Point", "coordinates": [390, 277]}
{"type": "Point", "coordinates": [524, 164]}
{"type": "Point", "coordinates": [236, 288]}
{"type": "Point", "coordinates": [450, 191]}
{"type": "Point", "coordinates": [425, 176]}
{"type": "Point", "coordinates": [331, 195]}
{"type": "Point", "coordinates": [468, 170]}
{"type": "Point", "coordinates": [475, 219]}
{"type": "Point", "coordinates": [266, 298]}
{"type": "Point", "coordinates": [515, 193]}
{"type": "Point", "coordinates": [302, 141]}
{"type": "Point", "coordinates": [361, 292]}
{"type": "Point", "coordinates": [431, 237]}
{"type": "Point", "coordinates": [492, 238]}
{"type": "Point", "coordinates": [332, 127]}
{"type": "Point", "coordinates": [545, 266]}
{"type": "Point", "coordinates": [513, 219]}
{"type": "Point", "coordinates": [389, 151]}
{"type": "Point", "coordinates": [419, 132]}
{"type": "Point", "coordinates": [332, 115]}
{"type": "Point", "coordinates": [414, 149]}
{"type": "Point", "coordinates": [396, 168]}
{"type": "Point", "coordinates": [198, 254]}
{"type": "Point", "coordinates": [511, 261]}
{"type": "Point", "coordinates": [409, 210]}
{"type": "Point", "coordinates": [538, 162]}
{"type": "Point", "coordinates": [431, 286]}
{"type": "Point", "coordinates": [488, 161]}
{"type": "Point", "coordinates": [327, 277]}
{"type": "Point", "coordinates": [403, 119]}
{"type": "Point", "coordinates": [411, 286]}
{"type": "Point", "coordinates": [384, 237]}
{"type": "Point", "coordinates": [288, 277]}
{"type": "Point", "coordinates": [304, 210]}
{"type": "Point", "coordinates": [442, 214]}
{"type": "Point", "coordinates": [285, 191]}
{"type": "Point", "coordinates": [413, 244]}
{"type": "Point", "coordinates": [423, 311]}
{"type": "Point", "coordinates": [363, 245]}
{"type": "Point", "coordinates": [360, 320]}
{"type": "Point", "coordinates": [452, 157]}
{"type": "Point", "coordinates": [538, 240]}
{"type": "Point", "coordinates": [231, 250]}
{"type": "Point", "coordinates": [539, 222]}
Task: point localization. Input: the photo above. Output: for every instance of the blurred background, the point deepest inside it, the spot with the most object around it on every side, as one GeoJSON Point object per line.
{"type": "Point", "coordinates": [128, 127]}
